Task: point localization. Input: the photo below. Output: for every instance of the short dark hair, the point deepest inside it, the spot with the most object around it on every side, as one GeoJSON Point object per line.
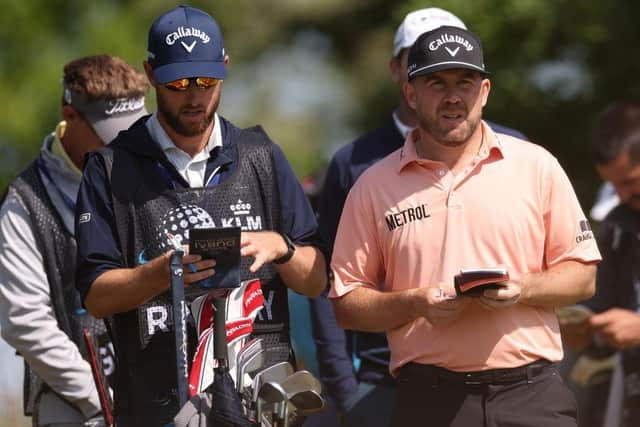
{"type": "Point", "coordinates": [617, 130]}
{"type": "Point", "coordinates": [101, 77]}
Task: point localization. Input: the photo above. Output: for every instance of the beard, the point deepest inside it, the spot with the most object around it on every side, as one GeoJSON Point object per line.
{"type": "Point", "coordinates": [181, 127]}
{"type": "Point", "coordinates": [446, 135]}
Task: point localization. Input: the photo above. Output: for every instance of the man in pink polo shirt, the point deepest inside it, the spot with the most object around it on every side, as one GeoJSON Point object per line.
{"type": "Point", "coordinates": [459, 196]}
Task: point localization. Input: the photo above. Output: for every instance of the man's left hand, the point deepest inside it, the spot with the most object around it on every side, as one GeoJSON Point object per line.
{"type": "Point", "coordinates": [505, 296]}
{"type": "Point", "coordinates": [264, 246]}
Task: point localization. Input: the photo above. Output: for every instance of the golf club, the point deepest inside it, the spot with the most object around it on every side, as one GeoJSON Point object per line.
{"type": "Point", "coordinates": [307, 402]}
{"type": "Point", "coordinates": [301, 381]}
{"type": "Point", "coordinates": [247, 355]}
{"type": "Point", "coordinates": [272, 393]}
{"type": "Point", "coordinates": [273, 373]}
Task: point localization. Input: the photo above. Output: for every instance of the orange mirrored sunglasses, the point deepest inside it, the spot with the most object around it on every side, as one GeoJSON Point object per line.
{"type": "Point", "coordinates": [181, 85]}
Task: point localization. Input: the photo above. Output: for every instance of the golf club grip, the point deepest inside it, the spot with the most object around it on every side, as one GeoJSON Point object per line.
{"type": "Point", "coordinates": [220, 331]}
{"type": "Point", "coordinates": [180, 326]}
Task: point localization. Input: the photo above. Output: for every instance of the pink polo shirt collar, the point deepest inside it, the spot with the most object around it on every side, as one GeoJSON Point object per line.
{"type": "Point", "coordinates": [409, 155]}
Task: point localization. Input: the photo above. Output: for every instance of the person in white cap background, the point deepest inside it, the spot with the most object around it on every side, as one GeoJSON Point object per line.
{"type": "Point", "coordinates": [39, 306]}
{"type": "Point", "coordinates": [186, 166]}
{"type": "Point", "coordinates": [363, 395]}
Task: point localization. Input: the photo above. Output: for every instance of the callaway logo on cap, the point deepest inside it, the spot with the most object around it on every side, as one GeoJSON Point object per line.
{"type": "Point", "coordinates": [186, 42]}
{"type": "Point", "coordinates": [445, 48]}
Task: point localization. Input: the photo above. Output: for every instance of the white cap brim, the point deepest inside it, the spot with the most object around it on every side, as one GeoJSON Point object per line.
{"type": "Point", "coordinates": [420, 21]}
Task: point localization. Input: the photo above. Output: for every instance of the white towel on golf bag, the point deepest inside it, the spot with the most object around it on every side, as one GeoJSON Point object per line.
{"type": "Point", "coordinates": [243, 305]}
{"type": "Point", "coordinates": [195, 413]}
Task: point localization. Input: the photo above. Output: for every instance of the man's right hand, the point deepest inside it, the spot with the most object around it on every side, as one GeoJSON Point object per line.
{"type": "Point", "coordinates": [440, 308]}
{"type": "Point", "coordinates": [195, 268]}
{"type": "Point", "coordinates": [123, 289]}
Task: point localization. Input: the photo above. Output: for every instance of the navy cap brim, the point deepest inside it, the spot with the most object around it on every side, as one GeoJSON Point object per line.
{"type": "Point", "coordinates": [443, 66]}
{"type": "Point", "coordinates": [181, 70]}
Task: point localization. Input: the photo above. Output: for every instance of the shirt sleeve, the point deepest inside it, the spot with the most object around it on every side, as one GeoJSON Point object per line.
{"type": "Point", "coordinates": [299, 221]}
{"type": "Point", "coordinates": [568, 233]}
{"type": "Point", "coordinates": [356, 260]}
{"type": "Point", "coordinates": [27, 319]}
{"type": "Point", "coordinates": [98, 249]}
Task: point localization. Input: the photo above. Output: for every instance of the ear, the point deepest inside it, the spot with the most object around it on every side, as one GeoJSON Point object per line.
{"type": "Point", "coordinates": [394, 68]}
{"type": "Point", "coordinates": [149, 71]}
{"type": "Point", "coordinates": [485, 89]}
{"type": "Point", "coordinates": [409, 92]}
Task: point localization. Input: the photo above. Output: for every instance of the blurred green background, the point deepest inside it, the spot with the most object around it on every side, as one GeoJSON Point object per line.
{"type": "Point", "coordinates": [315, 73]}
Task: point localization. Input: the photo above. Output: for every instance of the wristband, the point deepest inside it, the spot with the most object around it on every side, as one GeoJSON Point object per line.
{"type": "Point", "coordinates": [291, 248]}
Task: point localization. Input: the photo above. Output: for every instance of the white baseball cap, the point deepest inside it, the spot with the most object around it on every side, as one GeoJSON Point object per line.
{"type": "Point", "coordinates": [420, 21]}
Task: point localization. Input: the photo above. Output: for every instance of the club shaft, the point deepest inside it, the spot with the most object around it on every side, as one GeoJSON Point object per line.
{"type": "Point", "coordinates": [180, 326]}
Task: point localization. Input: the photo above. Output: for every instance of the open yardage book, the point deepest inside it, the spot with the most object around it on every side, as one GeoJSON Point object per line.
{"type": "Point", "coordinates": [472, 281]}
{"type": "Point", "coordinates": [223, 245]}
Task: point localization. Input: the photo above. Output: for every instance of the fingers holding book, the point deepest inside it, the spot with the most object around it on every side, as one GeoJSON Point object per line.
{"type": "Point", "coordinates": [503, 296]}
{"type": "Point", "coordinates": [442, 308]}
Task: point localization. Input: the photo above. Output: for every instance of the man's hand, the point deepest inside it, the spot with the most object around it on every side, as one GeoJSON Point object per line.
{"type": "Point", "coordinates": [264, 246]}
{"type": "Point", "coordinates": [504, 296]}
{"type": "Point", "coordinates": [438, 308]}
{"type": "Point", "coordinates": [195, 268]}
{"type": "Point", "coordinates": [576, 335]}
{"type": "Point", "coordinates": [123, 289]}
{"type": "Point", "coordinates": [617, 327]}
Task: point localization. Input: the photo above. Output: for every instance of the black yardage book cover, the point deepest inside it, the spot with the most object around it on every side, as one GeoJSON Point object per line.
{"type": "Point", "coordinates": [474, 281]}
{"type": "Point", "coordinates": [223, 245]}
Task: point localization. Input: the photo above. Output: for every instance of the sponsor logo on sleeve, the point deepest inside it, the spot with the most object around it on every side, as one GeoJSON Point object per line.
{"type": "Point", "coordinates": [585, 232]}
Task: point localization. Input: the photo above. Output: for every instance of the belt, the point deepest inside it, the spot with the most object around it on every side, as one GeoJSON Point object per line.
{"type": "Point", "coordinates": [491, 376]}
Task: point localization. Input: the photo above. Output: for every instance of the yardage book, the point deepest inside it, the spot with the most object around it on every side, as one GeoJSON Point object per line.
{"type": "Point", "coordinates": [223, 245]}
{"type": "Point", "coordinates": [474, 281]}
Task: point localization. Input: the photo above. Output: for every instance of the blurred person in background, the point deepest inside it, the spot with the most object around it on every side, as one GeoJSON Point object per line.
{"type": "Point", "coordinates": [615, 324]}
{"type": "Point", "coordinates": [363, 394]}
{"type": "Point", "coordinates": [40, 311]}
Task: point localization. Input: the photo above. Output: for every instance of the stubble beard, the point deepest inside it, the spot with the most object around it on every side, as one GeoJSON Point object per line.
{"type": "Point", "coordinates": [179, 126]}
{"type": "Point", "coordinates": [450, 137]}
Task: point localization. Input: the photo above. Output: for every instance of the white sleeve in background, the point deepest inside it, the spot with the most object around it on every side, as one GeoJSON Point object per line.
{"type": "Point", "coordinates": [27, 318]}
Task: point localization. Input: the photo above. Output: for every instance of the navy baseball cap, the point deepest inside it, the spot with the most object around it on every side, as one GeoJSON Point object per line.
{"type": "Point", "coordinates": [445, 48]}
{"type": "Point", "coordinates": [186, 42]}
